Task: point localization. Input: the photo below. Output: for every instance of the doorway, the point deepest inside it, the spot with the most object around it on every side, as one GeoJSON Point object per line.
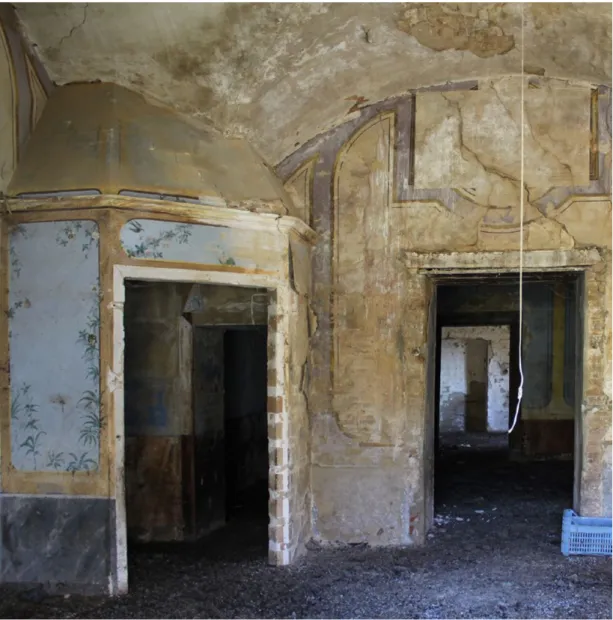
{"type": "Point", "coordinates": [184, 344]}
{"type": "Point", "coordinates": [474, 384]}
{"type": "Point", "coordinates": [478, 464]}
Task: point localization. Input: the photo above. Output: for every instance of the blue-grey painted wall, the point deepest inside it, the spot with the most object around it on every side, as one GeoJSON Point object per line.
{"type": "Point", "coordinates": [54, 324]}
{"type": "Point", "coordinates": [198, 243]}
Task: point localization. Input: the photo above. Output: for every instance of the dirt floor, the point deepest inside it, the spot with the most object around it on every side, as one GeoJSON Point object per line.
{"type": "Point", "coordinates": [494, 553]}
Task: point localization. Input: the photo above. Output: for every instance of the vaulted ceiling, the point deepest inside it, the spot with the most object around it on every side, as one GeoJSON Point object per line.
{"type": "Point", "coordinates": [278, 74]}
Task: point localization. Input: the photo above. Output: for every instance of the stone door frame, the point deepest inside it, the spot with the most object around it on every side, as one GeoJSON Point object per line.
{"type": "Point", "coordinates": [432, 267]}
{"type": "Point", "coordinates": [278, 508]}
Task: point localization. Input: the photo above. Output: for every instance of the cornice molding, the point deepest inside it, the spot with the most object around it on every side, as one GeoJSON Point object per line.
{"type": "Point", "coordinates": [185, 211]}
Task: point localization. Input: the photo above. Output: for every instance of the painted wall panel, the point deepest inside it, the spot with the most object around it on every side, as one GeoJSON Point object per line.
{"type": "Point", "coordinates": [451, 127]}
{"type": "Point", "coordinates": [54, 325]}
{"type": "Point", "coordinates": [197, 243]}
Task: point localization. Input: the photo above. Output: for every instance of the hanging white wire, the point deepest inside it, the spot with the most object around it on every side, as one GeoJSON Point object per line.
{"type": "Point", "coordinates": [520, 389]}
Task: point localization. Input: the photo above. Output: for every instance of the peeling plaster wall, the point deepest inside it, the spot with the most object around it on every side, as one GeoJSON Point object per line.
{"type": "Point", "coordinates": [280, 73]}
{"type": "Point", "coordinates": [607, 497]}
{"type": "Point", "coordinates": [100, 138]}
{"type": "Point", "coordinates": [453, 391]}
{"type": "Point", "coordinates": [481, 130]}
{"type": "Point", "coordinates": [299, 323]}
{"type": "Point", "coordinates": [24, 88]}
{"type": "Point", "coordinates": [476, 375]}
{"type": "Point", "coordinates": [368, 353]}
{"type": "Point", "coordinates": [454, 387]}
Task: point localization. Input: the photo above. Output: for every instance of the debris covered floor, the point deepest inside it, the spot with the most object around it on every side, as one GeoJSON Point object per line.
{"type": "Point", "coordinates": [494, 553]}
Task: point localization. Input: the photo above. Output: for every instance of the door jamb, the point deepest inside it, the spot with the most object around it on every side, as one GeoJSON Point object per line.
{"type": "Point", "coordinates": [118, 578]}
{"type": "Point", "coordinates": [439, 267]}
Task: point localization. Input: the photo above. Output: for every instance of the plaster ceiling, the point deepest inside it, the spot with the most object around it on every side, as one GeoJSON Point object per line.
{"type": "Point", "coordinates": [278, 74]}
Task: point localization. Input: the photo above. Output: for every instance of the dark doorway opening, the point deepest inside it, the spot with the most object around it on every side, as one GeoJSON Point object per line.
{"type": "Point", "coordinates": [481, 471]}
{"type": "Point", "coordinates": [196, 465]}
{"type": "Point", "coordinates": [246, 429]}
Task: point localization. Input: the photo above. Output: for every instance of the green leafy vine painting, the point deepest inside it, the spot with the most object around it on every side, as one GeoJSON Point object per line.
{"type": "Point", "coordinates": [70, 231]}
{"type": "Point", "coordinates": [152, 247]}
{"type": "Point", "coordinates": [16, 231]}
{"type": "Point", "coordinates": [197, 243]}
{"type": "Point", "coordinates": [25, 423]}
{"type": "Point", "coordinates": [55, 460]}
{"type": "Point", "coordinates": [90, 403]}
{"type": "Point", "coordinates": [81, 462]}
{"type": "Point", "coordinates": [54, 307]}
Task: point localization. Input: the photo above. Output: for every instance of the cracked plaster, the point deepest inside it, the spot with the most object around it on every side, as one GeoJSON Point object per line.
{"type": "Point", "coordinates": [281, 73]}
{"type": "Point", "coordinates": [368, 353]}
{"type": "Point", "coordinates": [472, 140]}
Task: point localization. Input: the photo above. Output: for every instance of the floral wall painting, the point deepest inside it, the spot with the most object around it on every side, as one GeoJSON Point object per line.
{"type": "Point", "coordinates": [198, 243]}
{"type": "Point", "coordinates": [54, 340]}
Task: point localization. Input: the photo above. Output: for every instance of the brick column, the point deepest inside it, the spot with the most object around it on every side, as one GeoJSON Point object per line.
{"type": "Point", "coordinates": [278, 436]}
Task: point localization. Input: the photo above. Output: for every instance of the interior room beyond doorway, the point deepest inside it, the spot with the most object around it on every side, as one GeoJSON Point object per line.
{"type": "Point", "coordinates": [479, 465]}
{"type": "Point", "coordinates": [195, 412]}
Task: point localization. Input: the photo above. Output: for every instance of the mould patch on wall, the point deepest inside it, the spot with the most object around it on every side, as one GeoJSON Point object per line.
{"type": "Point", "coordinates": [54, 339]}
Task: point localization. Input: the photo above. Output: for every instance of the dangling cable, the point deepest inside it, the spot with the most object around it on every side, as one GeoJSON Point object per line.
{"type": "Point", "coordinates": [520, 389]}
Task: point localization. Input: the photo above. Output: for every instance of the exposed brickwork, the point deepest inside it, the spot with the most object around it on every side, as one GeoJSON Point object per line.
{"type": "Point", "coordinates": [275, 404]}
{"type": "Point", "coordinates": [277, 450]}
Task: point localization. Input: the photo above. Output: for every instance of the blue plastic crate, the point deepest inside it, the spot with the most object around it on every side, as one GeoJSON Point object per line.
{"type": "Point", "coordinates": [585, 535]}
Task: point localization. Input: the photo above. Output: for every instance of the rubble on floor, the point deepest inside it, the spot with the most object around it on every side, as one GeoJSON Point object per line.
{"type": "Point", "coordinates": [494, 553]}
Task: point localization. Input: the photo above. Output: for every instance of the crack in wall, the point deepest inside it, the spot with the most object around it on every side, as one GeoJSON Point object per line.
{"type": "Point", "coordinates": [75, 27]}
{"type": "Point", "coordinates": [487, 169]}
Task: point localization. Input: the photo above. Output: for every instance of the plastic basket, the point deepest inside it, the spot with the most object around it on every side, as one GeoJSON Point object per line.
{"type": "Point", "coordinates": [585, 535]}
